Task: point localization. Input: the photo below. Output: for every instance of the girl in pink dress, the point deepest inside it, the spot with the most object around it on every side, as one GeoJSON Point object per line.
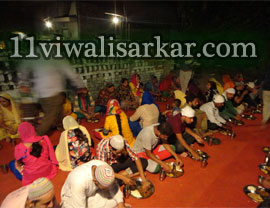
{"type": "Point", "coordinates": [34, 156]}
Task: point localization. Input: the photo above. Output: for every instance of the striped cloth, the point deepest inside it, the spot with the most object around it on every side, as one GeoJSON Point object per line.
{"type": "Point", "coordinates": [104, 152]}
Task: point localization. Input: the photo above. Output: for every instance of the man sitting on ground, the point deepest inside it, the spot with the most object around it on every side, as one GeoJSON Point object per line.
{"type": "Point", "coordinates": [215, 121]}
{"type": "Point", "coordinates": [228, 111]}
{"type": "Point", "coordinates": [183, 136]}
{"type": "Point", "coordinates": [40, 193]}
{"type": "Point", "coordinates": [91, 185]}
{"type": "Point", "coordinates": [200, 120]}
{"type": "Point", "coordinates": [146, 146]}
{"type": "Point", "coordinates": [118, 154]}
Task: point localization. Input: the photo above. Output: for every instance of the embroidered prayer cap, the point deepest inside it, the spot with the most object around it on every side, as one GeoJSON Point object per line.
{"type": "Point", "coordinates": [188, 112]}
{"type": "Point", "coordinates": [38, 188]}
{"type": "Point", "coordinates": [218, 99]}
{"type": "Point", "coordinates": [104, 175]}
{"type": "Point", "coordinates": [117, 142]}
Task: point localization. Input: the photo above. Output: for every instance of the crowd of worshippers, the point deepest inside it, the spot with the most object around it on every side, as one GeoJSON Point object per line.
{"type": "Point", "coordinates": [128, 145]}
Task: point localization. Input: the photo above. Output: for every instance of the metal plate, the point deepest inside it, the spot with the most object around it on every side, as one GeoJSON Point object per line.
{"type": "Point", "coordinates": [176, 170]}
{"type": "Point", "coordinates": [203, 155]}
{"type": "Point", "coordinates": [257, 193]}
{"type": "Point", "coordinates": [136, 193]}
{"type": "Point", "coordinates": [266, 149]}
{"type": "Point", "coordinates": [264, 168]}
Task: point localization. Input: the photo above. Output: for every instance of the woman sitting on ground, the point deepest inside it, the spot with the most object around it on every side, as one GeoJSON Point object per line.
{"type": "Point", "coordinates": [116, 123]}
{"type": "Point", "coordinates": [125, 96]}
{"type": "Point", "coordinates": [9, 118]}
{"type": "Point", "coordinates": [145, 115]}
{"type": "Point", "coordinates": [67, 107]}
{"type": "Point", "coordinates": [84, 105]}
{"type": "Point", "coordinates": [34, 156]}
{"type": "Point", "coordinates": [135, 87]}
{"type": "Point", "coordinates": [103, 97]}
{"type": "Point", "coordinates": [74, 145]}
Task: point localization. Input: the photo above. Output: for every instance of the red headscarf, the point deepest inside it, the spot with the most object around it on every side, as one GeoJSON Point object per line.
{"type": "Point", "coordinates": [136, 85]}
{"type": "Point", "coordinates": [166, 83]}
{"type": "Point", "coordinates": [113, 107]}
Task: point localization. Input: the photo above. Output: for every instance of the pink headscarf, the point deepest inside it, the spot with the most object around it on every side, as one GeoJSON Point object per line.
{"type": "Point", "coordinates": [27, 133]}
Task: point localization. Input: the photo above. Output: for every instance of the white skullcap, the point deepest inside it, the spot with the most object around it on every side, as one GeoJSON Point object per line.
{"type": "Point", "coordinates": [188, 112]}
{"type": "Point", "coordinates": [117, 142]}
{"type": "Point", "coordinates": [230, 90]}
{"type": "Point", "coordinates": [251, 85]}
{"type": "Point", "coordinates": [218, 99]}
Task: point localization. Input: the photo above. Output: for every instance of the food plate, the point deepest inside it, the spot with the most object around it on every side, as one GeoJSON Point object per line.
{"type": "Point", "coordinates": [256, 193]}
{"type": "Point", "coordinates": [264, 168]}
{"type": "Point", "coordinates": [203, 155]}
{"type": "Point", "coordinates": [266, 149]}
{"type": "Point", "coordinates": [136, 191]}
{"type": "Point", "coordinates": [176, 170]}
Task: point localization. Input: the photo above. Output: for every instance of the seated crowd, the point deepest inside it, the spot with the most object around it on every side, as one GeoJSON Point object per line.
{"type": "Point", "coordinates": [128, 145]}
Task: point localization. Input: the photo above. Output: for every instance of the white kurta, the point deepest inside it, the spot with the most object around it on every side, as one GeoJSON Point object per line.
{"type": "Point", "coordinates": [212, 113]}
{"type": "Point", "coordinates": [79, 190]}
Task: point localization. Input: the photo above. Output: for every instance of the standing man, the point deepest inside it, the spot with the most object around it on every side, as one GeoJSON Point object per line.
{"type": "Point", "coordinates": [185, 75]}
{"type": "Point", "coordinates": [91, 185]}
{"type": "Point", "coordinates": [48, 78]}
{"type": "Point", "coordinates": [266, 96]}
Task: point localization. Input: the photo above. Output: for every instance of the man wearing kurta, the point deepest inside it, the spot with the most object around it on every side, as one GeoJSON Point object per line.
{"type": "Point", "coordinates": [147, 114]}
{"type": "Point", "coordinates": [91, 185]}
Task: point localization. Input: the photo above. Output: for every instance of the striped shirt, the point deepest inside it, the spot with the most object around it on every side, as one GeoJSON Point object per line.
{"type": "Point", "coordinates": [104, 151]}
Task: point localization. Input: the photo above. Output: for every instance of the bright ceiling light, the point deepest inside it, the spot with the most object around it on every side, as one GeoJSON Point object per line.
{"type": "Point", "coordinates": [48, 24]}
{"type": "Point", "coordinates": [115, 20]}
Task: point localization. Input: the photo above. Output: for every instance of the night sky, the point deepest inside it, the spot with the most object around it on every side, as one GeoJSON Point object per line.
{"type": "Point", "coordinates": [253, 15]}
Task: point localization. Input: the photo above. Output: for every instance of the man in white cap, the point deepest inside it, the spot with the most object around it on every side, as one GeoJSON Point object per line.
{"type": "Point", "coordinates": [228, 111]}
{"type": "Point", "coordinates": [181, 141]}
{"type": "Point", "coordinates": [38, 194]}
{"type": "Point", "coordinates": [124, 161]}
{"type": "Point", "coordinates": [91, 185]}
{"type": "Point", "coordinates": [215, 121]}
